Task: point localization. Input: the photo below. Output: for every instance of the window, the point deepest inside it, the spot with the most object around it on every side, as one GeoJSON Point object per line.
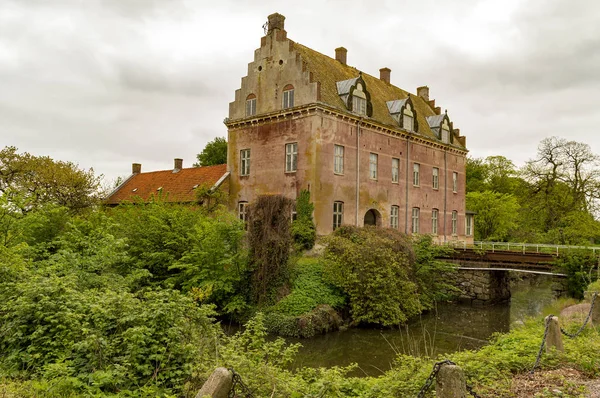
{"type": "Point", "coordinates": [469, 225]}
{"type": "Point", "coordinates": [415, 220]}
{"type": "Point", "coordinates": [454, 221]}
{"type": "Point", "coordinates": [288, 96]}
{"type": "Point", "coordinates": [434, 221]}
{"type": "Point", "coordinates": [394, 217]}
{"type": "Point", "coordinates": [408, 120]}
{"type": "Point", "coordinates": [416, 168]}
{"type": "Point", "coordinates": [359, 100]}
{"type": "Point", "coordinates": [243, 211]}
{"type": "Point", "coordinates": [435, 183]}
{"type": "Point", "coordinates": [338, 159]}
{"type": "Point", "coordinates": [395, 170]}
{"type": "Point", "coordinates": [245, 162]}
{"type": "Point", "coordinates": [338, 214]}
{"type": "Point", "coordinates": [251, 105]}
{"type": "Point", "coordinates": [454, 182]}
{"type": "Point", "coordinates": [373, 166]}
{"type": "Point", "coordinates": [291, 157]}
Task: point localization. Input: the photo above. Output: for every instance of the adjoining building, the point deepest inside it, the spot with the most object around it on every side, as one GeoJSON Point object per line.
{"type": "Point", "coordinates": [177, 185]}
{"type": "Point", "coordinates": [369, 152]}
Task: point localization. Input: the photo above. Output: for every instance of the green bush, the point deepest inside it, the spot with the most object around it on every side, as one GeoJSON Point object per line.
{"type": "Point", "coordinates": [377, 280]}
{"type": "Point", "coordinates": [579, 266]}
{"type": "Point", "coordinates": [303, 227]}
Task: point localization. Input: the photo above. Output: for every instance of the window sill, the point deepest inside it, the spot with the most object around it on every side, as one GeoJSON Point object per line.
{"type": "Point", "coordinates": [436, 189]}
{"type": "Point", "coordinates": [395, 182]}
{"type": "Point", "coordinates": [338, 174]}
{"type": "Point", "coordinates": [244, 175]}
{"type": "Point", "coordinates": [416, 186]}
{"type": "Point", "coordinates": [291, 172]}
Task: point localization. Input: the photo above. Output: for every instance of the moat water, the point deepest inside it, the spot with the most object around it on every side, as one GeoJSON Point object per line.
{"type": "Point", "coordinates": [449, 328]}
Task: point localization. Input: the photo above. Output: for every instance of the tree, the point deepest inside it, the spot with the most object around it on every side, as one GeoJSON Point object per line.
{"type": "Point", "coordinates": [215, 152]}
{"type": "Point", "coordinates": [497, 214]}
{"type": "Point", "coordinates": [29, 181]}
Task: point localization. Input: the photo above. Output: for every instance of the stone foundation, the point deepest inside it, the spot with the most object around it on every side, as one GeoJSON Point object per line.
{"type": "Point", "coordinates": [483, 287]}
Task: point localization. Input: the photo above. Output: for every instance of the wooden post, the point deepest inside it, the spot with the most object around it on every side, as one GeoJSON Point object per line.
{"type": "Point", "coordinates": [554, 336]}
{"type": "Point", "coordinates": [450, 382]}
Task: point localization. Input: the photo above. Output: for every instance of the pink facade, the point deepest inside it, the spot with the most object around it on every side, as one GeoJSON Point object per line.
{"type": "Point", "coordinates": [292, 148]}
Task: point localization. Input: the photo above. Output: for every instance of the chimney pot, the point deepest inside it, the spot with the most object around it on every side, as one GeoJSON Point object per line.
{"type": "Point", "coordinates": [341, 54]}
{"type": "Point", "coordinates": [178, 164]}
{"type": "Point", "coordinates": [423, 92]}
{"type": "Point", "coordinates": [384, 74]}
{"type": "Point", "coordinates": [276, 21]}
{"type": "Point", "coordinates": [136, 168]}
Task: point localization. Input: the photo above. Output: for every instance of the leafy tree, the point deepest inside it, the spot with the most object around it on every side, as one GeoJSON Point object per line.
{"type": "Point", "coordinates": [215, 152]}
{"type": "Point", "coordinates": [30, 181]}
{"type": "Point", "coordinates": [497, 214]}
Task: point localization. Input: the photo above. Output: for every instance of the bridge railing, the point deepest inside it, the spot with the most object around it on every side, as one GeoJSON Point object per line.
{"type": "Point", "coordinates": [520, 247]}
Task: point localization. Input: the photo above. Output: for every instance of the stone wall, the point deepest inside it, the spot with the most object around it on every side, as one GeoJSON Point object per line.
{"type": "Point", "coordinates": [483, 287]}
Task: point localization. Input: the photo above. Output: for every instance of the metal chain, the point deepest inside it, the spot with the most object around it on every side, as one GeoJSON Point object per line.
{"type": "Point", "coordinates": [577, 333]}
{"type": "Point", "coordinates": [539, 355]}
{"type": "Point", "coordinates": [244, 391]}
{"type": "Point", "coordinates": [436, 368]}
{"type": "Point", "coordinates": [434, 372]}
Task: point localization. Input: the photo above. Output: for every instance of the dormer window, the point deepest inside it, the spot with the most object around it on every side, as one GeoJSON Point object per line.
{"type": "Point", "coordinates": [251, 105]}
{"type": "Point", "coordinates": [408, 118]}
{"type": "Point", "coordinates": [288, 96]}
{"type": "Point", "coordinates": [359, 100]}
{"type": "Point", "coordinates": [353, 92]}
{"type": "Point", "coordinates": [445, 132]}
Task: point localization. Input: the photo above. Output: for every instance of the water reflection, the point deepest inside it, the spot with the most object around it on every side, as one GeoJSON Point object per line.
{"type": "Point", "coordinates": [448, 328]}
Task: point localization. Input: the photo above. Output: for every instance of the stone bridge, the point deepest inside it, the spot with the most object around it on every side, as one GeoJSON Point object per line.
{"type": "Point", "coordinates": [484, 276]}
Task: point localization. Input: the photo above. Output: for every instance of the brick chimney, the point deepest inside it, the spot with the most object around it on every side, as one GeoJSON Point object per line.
{"type": "Point", "coordinates": [136, 168]}
{"type": "Point", "coordinates": [423, 92]}
{"type": "Point", "coordinates": [276, 21]}
{"type": "Point", "coordinates": [178, 165]}
{"type": "Point", "coordinates": [340, 55]}
{"type": "Point", "coordinates": [384, 74]}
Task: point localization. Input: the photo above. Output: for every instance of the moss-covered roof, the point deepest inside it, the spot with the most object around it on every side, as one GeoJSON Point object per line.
{"type": "Point", "coordinates": [328, 71]}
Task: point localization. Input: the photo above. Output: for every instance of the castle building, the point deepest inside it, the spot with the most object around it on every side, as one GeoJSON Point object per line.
{"type": "Point", "coordinates": [369, 152]}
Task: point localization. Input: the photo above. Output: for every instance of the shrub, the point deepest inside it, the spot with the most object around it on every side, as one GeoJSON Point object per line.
{"type": "Point", "coordinates": [303, 227]}
{"type": "Point", "coordinates": [377, 281]}
{"type": "Point", "coordinates": [578, 265]}
{"type": "Point", "coordinates": [269, 241]}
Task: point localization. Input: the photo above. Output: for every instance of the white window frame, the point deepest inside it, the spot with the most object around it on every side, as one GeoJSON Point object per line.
{"type": "Point", "coordinates": [445, 135]}
{"type": "Point", "coordinates": [454, 182]}
{"type": "Point", "coordinates": [291, 157]}
{"type": "Point", "coordinates": [373, 160]}
{"type": "Point", "coordinates": [408, 118]}
{"type": "Point", "coordinates": [395, 170]}
{"type": "Point", "coordinates": [243, 211]}
{"type": "Point", "coordinates": [469, 225]}
{"type": "Point", "coordinates": [251, 106]}
{"type": "Point", "coordinates": [416, 174]}
{"type": "Point", "coordinates": [394, 212]}
{"type": "Point", "coordinates": [338, 214]}
{"type": "Point", "coordinates": [434, 221]}
{"type": "Point", "coordinates": [288, 98]}
{"type": "Point", "coordinates": [435, 178]}
{"type": "Point", "coordinates": [338, 159]}
{"type": "Point", "coordinates": [359, 100]}
{"type": "Point", "coordinates": [454, 222]}
{"type": "Point", "coordinates": [245, 162]}
{"type": "Point", "coordinates": [415, 220]}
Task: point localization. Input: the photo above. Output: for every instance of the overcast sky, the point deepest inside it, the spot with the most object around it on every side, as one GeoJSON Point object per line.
{"type": "Point", "coordinates": [105, 83]}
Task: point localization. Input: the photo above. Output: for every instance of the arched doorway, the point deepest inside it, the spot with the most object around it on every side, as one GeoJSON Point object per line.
{"type": "Point", "coordinates": [372, 217]}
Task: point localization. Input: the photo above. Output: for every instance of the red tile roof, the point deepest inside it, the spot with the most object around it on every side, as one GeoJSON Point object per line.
{"type": "Point", "coordinates": [176, 187]}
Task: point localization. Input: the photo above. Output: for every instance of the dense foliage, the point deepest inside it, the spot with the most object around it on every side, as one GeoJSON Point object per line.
{"type": "Point", "coordinates": [28, 182]}
{"type": "Point", "coordinates": [215, 152]}
{"type": "Point", "coordinates": [269, 241]}
{"type": "Point", "coordinates": [303, 227]}
{"type": "Point", "coordinates": [388, 283]}
{"type": "Point", "coordinates": [553, 198]}
{"type": "Point", "coordinates": [581, 269]}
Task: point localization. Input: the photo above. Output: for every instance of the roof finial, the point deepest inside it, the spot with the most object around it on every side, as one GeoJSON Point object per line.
{"type": "Point", "coordinates": [446, 111]}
